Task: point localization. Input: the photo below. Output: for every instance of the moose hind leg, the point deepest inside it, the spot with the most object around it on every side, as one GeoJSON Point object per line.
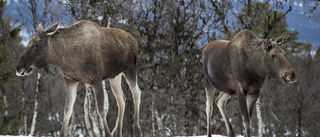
{"type": "Point", "coordinates": [131, 78]}
{"type": "Point", "coordinates": [70, 97]}
{"type": "Point", "coordinates": [209, 107]}
{"type": "Point", "coordinates": [115, 84]}
{"type": "Point", "coordinates": [221, 103]}
{"type": "Point", "coordinates": [99, 95]}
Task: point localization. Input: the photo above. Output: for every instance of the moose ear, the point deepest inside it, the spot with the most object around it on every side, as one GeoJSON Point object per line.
{"type": "Point", "coordinates": [39, 27]}
{"type": "Point", "coordinates": [266, 45]}
{"type": "Point", "coordinates": [52, 28]}
{"type": "Point", "coordinates": [283, 39]}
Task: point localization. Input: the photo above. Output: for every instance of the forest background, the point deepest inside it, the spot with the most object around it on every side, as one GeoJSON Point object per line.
{"type": "Point", "coordinates": [171, 36]}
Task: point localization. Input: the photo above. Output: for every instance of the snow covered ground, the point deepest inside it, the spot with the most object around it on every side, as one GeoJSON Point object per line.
{"type": "Point", "coordinates": [206, 136]}
{"type": "Point", "coordinates": [175, 136]}
{"type": "Point", "coordinates": [13, 136]}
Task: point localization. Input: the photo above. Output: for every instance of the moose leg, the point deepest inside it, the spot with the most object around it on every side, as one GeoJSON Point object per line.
{"type": "Point", "coordinates": [243, 109]}
{"type": "Point", "coordinates": [221, 103]}
{"type": "Point", "coordinates": [131, 78]}
{"type": "Point", "coordinates": [115, 84]}
{"type": "Point", "coordinates": [251, 100]}
{"type": "Point", "coordinates": [70, 97]}
{"type": "Point", "coordinates": [99, 95]}
{"type": "Point", "coordinates": [209, 107]}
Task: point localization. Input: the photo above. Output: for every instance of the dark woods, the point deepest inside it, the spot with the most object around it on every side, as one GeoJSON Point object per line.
{"type": "Point", "coordinates": [170, 36]}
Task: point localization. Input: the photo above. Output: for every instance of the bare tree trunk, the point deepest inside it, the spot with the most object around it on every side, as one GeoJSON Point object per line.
{"type": "Point", "coordinates": [160, 125]}
{"type": "Point", "coordinates": [25, 124]}
{"type": "Point", "coordinates": [153, 122]}
{"type": "Point", "coordinates": [86, 114]}
{"type": "Point", "coordinates": [259, 117]}
{"type": "Point", "coordinates": [36, 106]}
{"type": "Point", "coordinates": [5, 102]}
{"type": "Point", "coordinates": [109, 22]}
{"type": "Point", "coordinates": [91, 114]}
{"type": "Point", "coordinates": [156, 119]}
{"type": "Point", "coordinates": [24, 115]}
{"type": "Point", "coordinates": [153, 117]}
{"type": "Point", "coordinates": [105, 104]}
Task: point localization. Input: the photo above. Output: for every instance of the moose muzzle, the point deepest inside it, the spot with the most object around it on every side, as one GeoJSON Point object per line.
{"type": "Point", "coordinates": [24, 70]}
{"type": "Point", "coordinates": [289, 76]}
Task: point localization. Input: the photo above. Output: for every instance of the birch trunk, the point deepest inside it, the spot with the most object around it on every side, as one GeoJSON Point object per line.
{"type": "Point", "coordinates": [259, 117]}
{"type": "Point", "coordinates": [106, 102]}
{"type": "Point", "coordinates": [91, 114]}
{"type": "Point", "coordinates": [153, 117]}
{"type": "Point", "coordinates": [156, 119]}
{"type": "Point", "coordinates": [86, 113]}
{"type": "Point", "coordinates": [36, 106]}
{"type": "Point", "coordinates": [24, 115]}
{"type": "Point", "coordinates": [5, 102]}
{"type": "Point", "coordinates": [160, 125]}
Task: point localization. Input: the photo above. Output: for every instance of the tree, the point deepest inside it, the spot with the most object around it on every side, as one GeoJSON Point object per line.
{"type": "Point", "coordinates": [9, 51]}
{"type": "Point", "coordinates": [317, 55]}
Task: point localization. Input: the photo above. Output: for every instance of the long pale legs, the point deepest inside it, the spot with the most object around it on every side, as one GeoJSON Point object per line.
{"type": "Point", "coordinates": [70, 97]}
{"type": "Point", "coordinates": [118, 93]}
{"type": "Point", "coordinates": [115, 84]}
{"type": "Point", "coordinates": [209, 107]}
{"type": "Point", "coordinates": [131, 78]}
{"type": "Point", "coordinates": [221, 102]}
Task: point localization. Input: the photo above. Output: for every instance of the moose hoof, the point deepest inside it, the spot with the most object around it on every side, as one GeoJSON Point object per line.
{"type": "Point", "coordinates": [231, 134]}
{"type": "Point", "coordinates": [137, 130]}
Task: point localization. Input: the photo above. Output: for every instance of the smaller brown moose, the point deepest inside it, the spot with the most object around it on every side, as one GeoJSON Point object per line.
{"type": "Point", "coordinates": [239, 67]}
{"type": "Point", "coordinates": [86, 52]}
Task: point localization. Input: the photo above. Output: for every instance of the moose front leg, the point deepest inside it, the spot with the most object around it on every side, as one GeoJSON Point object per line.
{"type": "Point", "coordinates": [243, 109]}
{"type": "Point", "coordinates": [70, 97]}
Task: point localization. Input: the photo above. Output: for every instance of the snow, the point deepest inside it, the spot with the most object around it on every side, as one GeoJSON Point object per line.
{"type": "Point", "coordinates": [175, 136]}
{"type": "Point", "coordinates": [206, 136]}
{"type": "Point", "coordinates": [13, 136]}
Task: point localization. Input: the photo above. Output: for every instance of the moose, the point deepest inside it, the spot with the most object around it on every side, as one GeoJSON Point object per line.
{"type": "Point", "coordinates": [86, 52]}
{"type": "Point", "coordinates": [239, 67]}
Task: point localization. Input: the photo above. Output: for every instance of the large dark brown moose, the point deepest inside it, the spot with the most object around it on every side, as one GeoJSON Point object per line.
{"type": "Point", "coordinates": [86, 52]}
{"type": "Point", "coordinates": [239, 67]}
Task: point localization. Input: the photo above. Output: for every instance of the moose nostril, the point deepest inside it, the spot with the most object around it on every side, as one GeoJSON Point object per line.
{"type": "Point", "coordinates": [290, 75]}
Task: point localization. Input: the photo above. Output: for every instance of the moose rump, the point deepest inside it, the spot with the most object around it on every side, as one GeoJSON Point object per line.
{"type": "Point", "coordinates": [86, 52]}
{"type": "Point", "coordinates": [239, 67]}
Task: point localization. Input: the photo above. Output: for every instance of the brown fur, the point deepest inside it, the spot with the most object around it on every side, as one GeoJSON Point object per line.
{"type": "Point", "coordinates": [86, 52]}
{"type": "Point", "coordinates": [80, 38]}
{"type": "Point", "coordinates": [239, 66]}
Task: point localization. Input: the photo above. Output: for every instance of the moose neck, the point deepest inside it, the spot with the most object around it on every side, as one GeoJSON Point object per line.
{"type": "Point", "coordinates": [60, 52]}
{"type": "Point", "coordinates": [254, 61]}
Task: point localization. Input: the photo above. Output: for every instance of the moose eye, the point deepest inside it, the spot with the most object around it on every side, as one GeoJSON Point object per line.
{"type": "Point", "coordinates": [274, 56]}
{"type": "Point", "coordinates": [35, 47]}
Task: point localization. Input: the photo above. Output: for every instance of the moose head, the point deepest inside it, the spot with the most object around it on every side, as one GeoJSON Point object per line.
{"type": "Point", "coordinates": [274, 61]}
{"type": "Point", "coordinates": [36, 53]}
